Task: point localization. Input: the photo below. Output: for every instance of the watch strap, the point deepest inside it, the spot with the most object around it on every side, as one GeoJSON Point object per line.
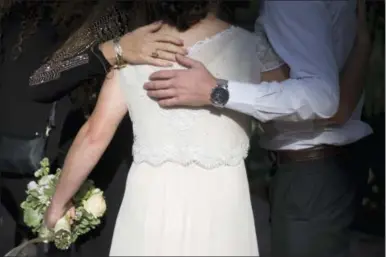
{"type": "Point", "coordinates": [222, 83]}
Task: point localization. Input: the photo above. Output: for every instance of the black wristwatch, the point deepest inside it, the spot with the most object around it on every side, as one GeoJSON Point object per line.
{"type": "Point", "coordinates": [220, 94]}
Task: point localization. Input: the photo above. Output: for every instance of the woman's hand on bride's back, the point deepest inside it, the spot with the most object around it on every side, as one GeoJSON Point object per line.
{"type": "Point", "coordinates": [145, 46]}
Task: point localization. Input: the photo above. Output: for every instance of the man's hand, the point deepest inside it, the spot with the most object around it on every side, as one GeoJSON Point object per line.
{"type": "Point", "coordinates": [191, 87]}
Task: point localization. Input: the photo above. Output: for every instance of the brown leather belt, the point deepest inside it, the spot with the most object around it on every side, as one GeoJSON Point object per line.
{"type": "Point", "coordinates": [315, 153]}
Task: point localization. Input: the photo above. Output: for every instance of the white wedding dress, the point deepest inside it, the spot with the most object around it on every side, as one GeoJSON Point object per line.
{"type": "Point", "coordinates": [187, 192]}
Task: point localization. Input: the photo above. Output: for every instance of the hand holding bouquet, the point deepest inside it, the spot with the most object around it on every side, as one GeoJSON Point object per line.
{"type": "Point", "coordinates": [84, 214]}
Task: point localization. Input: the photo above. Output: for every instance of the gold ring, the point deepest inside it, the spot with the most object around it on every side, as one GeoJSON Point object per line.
{"type": "Point", "coordinates": [155, 54]}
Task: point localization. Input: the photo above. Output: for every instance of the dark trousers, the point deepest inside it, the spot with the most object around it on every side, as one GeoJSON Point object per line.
{"type": "Point", "coordinates": [12, 228]}
{"type": "Point", "coordinates": [312, 206]}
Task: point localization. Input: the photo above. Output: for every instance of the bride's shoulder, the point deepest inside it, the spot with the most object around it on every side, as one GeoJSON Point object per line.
{"type": "Point", "coordinates": [240, 34]}
{"type": "Point", "coordinates": [258, 45]}
{"type": "Point", "coordinates": [257, 39]}
{"type": "Point", "coordinates": [250, 41]}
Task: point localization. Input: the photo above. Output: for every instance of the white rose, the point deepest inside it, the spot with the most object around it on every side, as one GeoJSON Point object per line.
{"type": "Point", "coordinates": [95, 205]}
{"type": "Point", "coordinates": [62, 224]}
{"type": "Point", "coordinates": [32, 185]}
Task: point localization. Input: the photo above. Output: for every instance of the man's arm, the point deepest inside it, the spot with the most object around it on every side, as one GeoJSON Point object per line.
{"type": "Point", "coordinates": [352, 83]}
{"type": "Point", "coordinates": [301, 33]}
{"type": "Point", "coordinates": [352, 80]}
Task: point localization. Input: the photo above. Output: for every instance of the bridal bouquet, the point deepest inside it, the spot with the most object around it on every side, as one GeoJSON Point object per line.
{"type": "Point", "coordinates": [89, 205]}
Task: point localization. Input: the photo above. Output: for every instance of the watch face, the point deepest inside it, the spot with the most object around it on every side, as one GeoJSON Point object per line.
{"type": "Point", "coordinates": [220, 96]}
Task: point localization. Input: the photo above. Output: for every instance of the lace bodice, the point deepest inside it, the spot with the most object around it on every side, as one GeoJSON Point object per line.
{"type": "Point", "coordinates": [207, 137]}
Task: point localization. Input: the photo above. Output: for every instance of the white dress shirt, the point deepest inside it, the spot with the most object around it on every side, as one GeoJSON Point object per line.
{"type": "Point", "coordinates": [314, 38]}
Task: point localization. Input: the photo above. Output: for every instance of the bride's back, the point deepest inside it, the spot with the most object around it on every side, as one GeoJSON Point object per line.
{"type": "Point", "coordinates": [208, 137]}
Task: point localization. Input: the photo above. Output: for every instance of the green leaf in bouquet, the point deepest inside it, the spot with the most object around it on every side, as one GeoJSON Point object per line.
{"type": "Point", "coordinates": [34, 193]}
{"type": "Point", "coordinates": [46, 171]}
{"type": "Point", "coordinates": [45, 163]}
{"type": "Point", "coordinates": [81, 227]}
{"type": "Point", "coordinates": [57, 173]}
{"type": "Point", "coordinates": [24, 205]}
{"type": "Point", "coordinates": [49, 192]}
{"type": "Point", "coordinates": [44, 168]}
{"type": "Point", "coordinates": [38, 173]}
{"type": "Point", "coordinates": [84, 222]}
{"type": "Point", "coordinates": [34, 205]}
{"type": "Point", "coordinates": [95, 222]}
{"type": "Point", "coordinates": [85, 230]}
{"type": "Point", "coordinates": [77, 230]}
{"type": "Point", "coordinates": [88, 215]}
{"type": "Point", "coordinates": [41, 208]}
{"type": "Point", "coordinates": [44, 199]}
{"type": "Point", "coordinates": [32, 218]}
{"type": "Point", "coordinates": [46, 180]}
{"type": "Point", "coordinates": [30, 198]}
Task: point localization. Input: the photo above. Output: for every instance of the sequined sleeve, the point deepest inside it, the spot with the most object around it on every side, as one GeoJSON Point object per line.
{"type": "Point", "coordinates": [79, 59]}
{"type": "Point", "coordinates": [72, 54]}
{"type": "Point", "coordinates": [52, 71]}
{"type": "Point", "coordinates": [51, 83]}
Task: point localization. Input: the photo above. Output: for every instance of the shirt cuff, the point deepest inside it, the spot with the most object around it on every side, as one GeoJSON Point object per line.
{"type": "Point", "coordinates": [242, 97]}
{"type": "Point", "coordinates": [256, 100]}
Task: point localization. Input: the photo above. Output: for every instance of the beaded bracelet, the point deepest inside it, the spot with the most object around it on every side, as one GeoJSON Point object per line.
{"type": "Point", "coordinates": [120, 63]}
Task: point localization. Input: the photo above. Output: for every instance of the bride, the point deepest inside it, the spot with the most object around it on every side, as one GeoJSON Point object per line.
{"type": "Point", "coordinates": [187, 190]}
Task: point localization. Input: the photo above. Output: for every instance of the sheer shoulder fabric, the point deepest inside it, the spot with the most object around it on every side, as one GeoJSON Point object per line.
{"type": "Point", "coordinates": [269, 59]}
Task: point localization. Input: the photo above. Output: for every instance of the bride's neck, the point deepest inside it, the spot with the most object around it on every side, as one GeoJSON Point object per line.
{"type": "Point", "coordinates": [207, 27]}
